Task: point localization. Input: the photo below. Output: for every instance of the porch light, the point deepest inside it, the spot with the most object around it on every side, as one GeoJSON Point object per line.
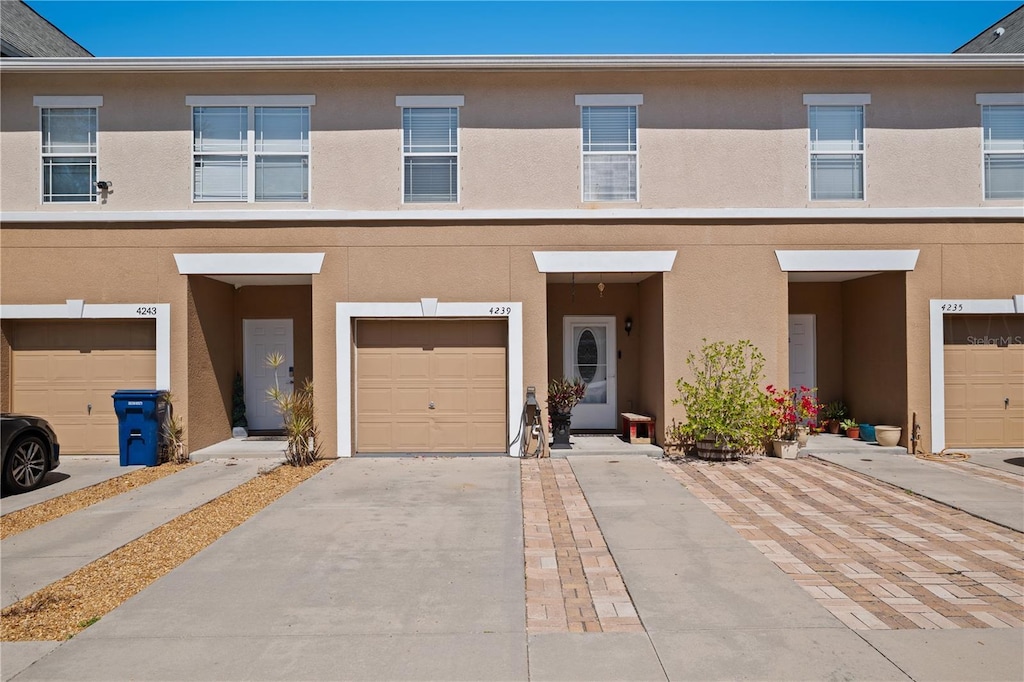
{"type": "Point", "coordinates": [629, 325]}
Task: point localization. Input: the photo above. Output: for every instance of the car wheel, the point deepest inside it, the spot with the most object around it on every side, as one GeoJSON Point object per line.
{"type": "Point", "coordinates": [25, 464]}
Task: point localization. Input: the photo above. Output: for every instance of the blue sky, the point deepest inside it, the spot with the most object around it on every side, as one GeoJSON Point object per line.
{"type": "Point", "coordinates": [148, 28]}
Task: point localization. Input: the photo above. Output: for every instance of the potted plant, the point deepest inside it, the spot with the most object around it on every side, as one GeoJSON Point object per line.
{"type": "Point", "coordinates": [794, 411]}
{"type": "Point", "coordinates": [563, 395]}
{"type": "Point", "coordinates": [239, 423]}
{"type": "Point", "coordinates": [727, 413]}
{"type": "Point", "coordinates": [850, 427]}
{"type": "Point", "coordinates": [832, 414]}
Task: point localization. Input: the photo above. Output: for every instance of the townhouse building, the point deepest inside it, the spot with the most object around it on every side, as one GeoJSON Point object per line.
{"type": "Point", "coordinates": [426, 237]}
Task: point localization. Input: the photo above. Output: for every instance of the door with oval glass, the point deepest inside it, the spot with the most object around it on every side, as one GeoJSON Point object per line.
{"type": "Point", "coordinates": [589, 344]}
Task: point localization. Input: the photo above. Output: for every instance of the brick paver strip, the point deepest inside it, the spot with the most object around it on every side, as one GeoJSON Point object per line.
{"type": "Point", "coordinates": [572, 583]}
{"type": "Point", "coordinates": [872, 554]}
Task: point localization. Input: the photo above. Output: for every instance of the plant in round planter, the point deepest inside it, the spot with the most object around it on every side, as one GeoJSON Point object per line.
{"type": "Point", "coordinates": [832, 414]}
{"type": "Point", "coordinates": [850, 427]}
{"type": "Point", "coordinates": [563, 395]}
{"type": "Point", "coordinates": [727, 413]}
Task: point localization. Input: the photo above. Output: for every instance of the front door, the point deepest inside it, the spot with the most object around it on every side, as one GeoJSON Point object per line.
{"type": "Point", "coordinates": [590, 355]}
{"type": "Point", "coordinates": [260, 339]}
{"type": "Point", "coordinates": [801, 351]}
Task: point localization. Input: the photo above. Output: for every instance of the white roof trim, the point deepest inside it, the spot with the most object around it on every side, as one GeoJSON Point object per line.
{"type": "Point", "coordinates": [836, 260]}
{"type": "Point", "coordinates": [850, 99]}
{"type": "Point", "coordinates": [514, 62]}
{"type": "Point", "coordinates": [582, 215]}
{"type": "Point", "coordinates": [609, 100]}
{"type": "Point", "coordinates": [604, 261]}
{"type": "Point", "coordinates": [1000, 98]}
{"type": "Point", "coordinates": [249, 263]}
{"type": "Point", "coordinates": [67, 101]}
{"type": "Point", "coordinates": [249, 100]}
{"type": "Point", "coordinates": [430, 100]}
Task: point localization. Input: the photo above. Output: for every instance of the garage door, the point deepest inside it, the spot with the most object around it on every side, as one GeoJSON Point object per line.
{"type": "Point", "coordinates": [984, 358]}
{"type": "Point", "coordinates": [62, 367]}
{"type": "Point", "coordinates": [431, 386]}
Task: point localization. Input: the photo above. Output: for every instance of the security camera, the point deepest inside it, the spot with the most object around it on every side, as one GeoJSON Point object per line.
{"type": "Point", "coordinates": [103, 185]}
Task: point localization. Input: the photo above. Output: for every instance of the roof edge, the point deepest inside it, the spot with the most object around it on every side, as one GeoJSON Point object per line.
{"type": "Point", "coordinates": [512, 62]}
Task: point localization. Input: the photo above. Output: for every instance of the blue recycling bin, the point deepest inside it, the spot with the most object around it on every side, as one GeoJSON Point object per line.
{"type": "Point", "coordinates": [140, 420]}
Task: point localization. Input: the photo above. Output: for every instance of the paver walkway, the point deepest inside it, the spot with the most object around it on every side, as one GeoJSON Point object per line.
{"type": "Point", "coordinates": [572, 583]}
{"type": "Point", "coordinates": [874, 555]}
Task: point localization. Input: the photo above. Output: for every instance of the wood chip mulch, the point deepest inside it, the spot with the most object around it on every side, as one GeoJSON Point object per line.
{"type": "Point", "coordinates": [25, 519]}
{"type": "Point", "coordinates": [59, 611]}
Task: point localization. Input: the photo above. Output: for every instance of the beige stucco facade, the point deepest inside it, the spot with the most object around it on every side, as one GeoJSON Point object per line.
{"type": "Point", "coordinates": [723, 188]}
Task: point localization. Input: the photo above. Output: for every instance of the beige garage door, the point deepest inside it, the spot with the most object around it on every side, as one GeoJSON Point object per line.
{"type": "Point", "coordinates": [984, 357]}
{"type": "Point", "coordinates": [431, 386]}
{"type": "Point", "coordinates": [61, 367]}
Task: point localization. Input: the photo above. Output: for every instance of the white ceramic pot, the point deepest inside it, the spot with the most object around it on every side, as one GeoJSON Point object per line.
{"type": "Point", "coordinates": [785, 449]}
{"type": "Point", "coordinates": [888, 436]}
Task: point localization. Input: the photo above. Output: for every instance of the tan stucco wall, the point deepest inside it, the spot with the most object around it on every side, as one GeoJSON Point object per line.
{"type": "Point", "coordinates": [824, 300]}
{"type": "Point", "coordinates": [650, 326]}
{"type": "Point", "coordinates": [6, 333]}
{"type": "Point", "coordinates": [706, 138]}
{"type": "Point", "coordinates": [210, 361]}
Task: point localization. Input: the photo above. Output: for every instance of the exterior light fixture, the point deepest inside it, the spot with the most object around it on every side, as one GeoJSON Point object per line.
{"type": "Point", "coordinates": [629, 325]}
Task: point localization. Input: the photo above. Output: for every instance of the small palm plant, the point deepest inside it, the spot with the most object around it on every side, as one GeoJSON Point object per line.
{"type": "Point", "coordinates": [297, 409]}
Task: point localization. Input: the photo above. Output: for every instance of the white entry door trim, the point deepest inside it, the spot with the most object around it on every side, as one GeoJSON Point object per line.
{"type": "Point", "coordinates": [594, 335]}
{"type": "Point", "coordinates": [259, 339]}
{"type": "Point", "coordinates": [427, 307]}
{"type": "Point", "coordinates": [803, 351]}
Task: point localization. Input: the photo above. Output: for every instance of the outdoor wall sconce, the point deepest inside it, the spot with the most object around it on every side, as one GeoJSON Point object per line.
{"type": "Point", "coordinates": [629, 325]}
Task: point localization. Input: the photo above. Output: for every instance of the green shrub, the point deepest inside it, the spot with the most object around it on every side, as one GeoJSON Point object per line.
{"type": "Point", "coordinates": [724, 401]}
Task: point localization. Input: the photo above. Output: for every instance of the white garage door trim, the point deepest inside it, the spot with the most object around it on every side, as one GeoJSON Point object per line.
{"type": "Point", "coordinates": [74, 309]}
{"type": "Point", "coordinates": [939, 308]}
{"type": "Point", "coordinates": [426, 308]}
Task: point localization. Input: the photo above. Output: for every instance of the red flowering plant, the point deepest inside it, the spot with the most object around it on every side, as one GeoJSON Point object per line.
{"type": "Point", "coordinates": [792, 407]}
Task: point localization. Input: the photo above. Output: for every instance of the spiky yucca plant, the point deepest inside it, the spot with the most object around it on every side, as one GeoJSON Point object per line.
{"type": "Point", "coordinates": [297, 409]}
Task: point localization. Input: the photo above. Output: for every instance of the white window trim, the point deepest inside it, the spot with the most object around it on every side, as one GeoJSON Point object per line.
{"type": "Point", "coordinates": [861, 100]}
{"type": "Point", "coordinates": [404, 102]}
{"type": "Point", "coordinates": [42, 102]}
{"type": "Point", "coordinates": [424, 308]}
{"type": "Point", "coordinates": [609, 101]}
{"type": "Point", "coordinates": [74, 309]}
{"type": "Point", "coordinates": [250, 102]}
{"type": "Point", "coordinates": [994, 306]}
{"type": "Point", "coordinates": [994, 100]}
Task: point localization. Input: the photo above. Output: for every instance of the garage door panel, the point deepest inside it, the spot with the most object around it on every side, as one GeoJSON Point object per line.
{"type": "Point", "coordinates": [956, 362]}
{"type": "Point", "coordinates": [987, 361]}
{"type": "Point", "coordinates": [458, 365]}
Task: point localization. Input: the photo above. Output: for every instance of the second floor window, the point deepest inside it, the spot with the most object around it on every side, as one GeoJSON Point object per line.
{"type": "Point", "coordinates": [250, 153]}
{"type": "Point", "coordinates": [1003, 127]}
{"type": "Point", "coordinates": [430, 154]}
{"type": "Point", "coordinates": [837, 151]}
{"type": "Point", "coordinates": [69, 154]}
{"type": "Point", "coordinates": [609, 153]}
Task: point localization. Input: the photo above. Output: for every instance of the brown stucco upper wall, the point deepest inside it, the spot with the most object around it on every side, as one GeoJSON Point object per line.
{"type": "Point", "coordinates": [706, 138]}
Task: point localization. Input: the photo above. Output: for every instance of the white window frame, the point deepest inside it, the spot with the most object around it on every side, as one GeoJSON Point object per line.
{"type": "Point", "coordinates": [996, 99]}
{"type": "Point", "coordinates": [838, 100]}
{"type": "Point", "coordinates": [404, 102]}
{"type": "Point", "coordinates": [251, 102]}
{"type": "Point", "coordinates": [43, 103]}
{"type": "Point", "coordinates": [610, 101]}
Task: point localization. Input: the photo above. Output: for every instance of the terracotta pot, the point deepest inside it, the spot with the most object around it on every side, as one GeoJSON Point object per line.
{"type": "Point", "coordinates": [853, 433]}
{"type": "Point", "coordinates": [785, 449]}
{"type": "Point", "coordinates": [833, 426]}
{"type": "Point", "coordinates": [888, 436]}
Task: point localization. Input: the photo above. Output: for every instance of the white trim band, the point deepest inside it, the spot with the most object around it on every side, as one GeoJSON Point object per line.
{"type": "Point", "coordinates": [56, 216]}
{"type": "Point", "coordinates": [604, 261]}
{"type": "Point", "coordinates": [430, 100]}
{"type": "Point", "coordinates": [249, 263]}
{"type": "Point", "coordinates": [75, 309]}
{"type": "Point", "coordinates": [250, 100]}
{"type": "Point", "coordinates": [835, 260]}
{"type": "Point", "coordinates": [609, 100]}
{"type": "Point", "coordinates": [67, 101]}
{"type": "Point", "coordinates": [346, 312]}
{"type": "Point", "coordinates": [1000, 98]}
{"type": "Point", "coordinates": [837, 99]}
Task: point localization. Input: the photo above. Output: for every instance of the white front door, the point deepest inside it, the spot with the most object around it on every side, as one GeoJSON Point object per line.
{"type": "Point", "coordinates": [260, 339]}
{"type": "Point", "coordinates": [801, 351]}
{"type": "Point", "coordinates": [590, 354]}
